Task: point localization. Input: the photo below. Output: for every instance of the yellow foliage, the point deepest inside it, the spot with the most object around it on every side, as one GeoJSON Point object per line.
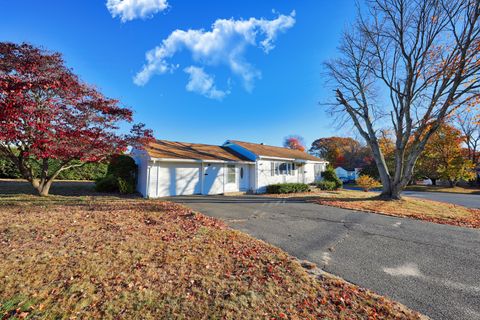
{"type": "Point", "coordinates": [367, 183]}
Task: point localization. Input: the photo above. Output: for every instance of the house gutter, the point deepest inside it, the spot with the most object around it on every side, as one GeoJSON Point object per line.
{"type": "Point", "coordinates": [292, 159]}
{"type": "Point", "coordinates": [199, 161]}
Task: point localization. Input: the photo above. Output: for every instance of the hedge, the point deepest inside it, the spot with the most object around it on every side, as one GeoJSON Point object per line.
{"type": "Point", "coordinates": [121, 176]}
{"type": "Point", "coordinates": [287, 188]}
{"type": "Point", "coordinates": [330, 175]}
{"type": "Point", "coordinates": [327, 185]}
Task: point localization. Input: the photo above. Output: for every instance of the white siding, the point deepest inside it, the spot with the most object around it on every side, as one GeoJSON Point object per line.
{"type": "Point", "coordinates": [152, 180]}
{"type": "Point", "coordinates": [304, 173]}
{"type": "Point", "coordinates": [142, 168]}
{"type": "Point", "coordinates": [309, 169]}
{"type": "Point", "coordinates": [265, 178]}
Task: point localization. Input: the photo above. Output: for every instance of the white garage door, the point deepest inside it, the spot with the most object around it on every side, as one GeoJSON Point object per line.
{"type": "Point", "coordinates": [178, 179]}
{"type": "Point", "coordinates": [213, 179]}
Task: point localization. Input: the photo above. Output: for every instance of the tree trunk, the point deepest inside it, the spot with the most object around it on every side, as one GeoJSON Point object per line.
{"type": "Point", "coordinates": [391, 192]}
{"type": "Point", "coordinates": [434, 181]}
{"type": "Point", "coordinates": [43, 187]}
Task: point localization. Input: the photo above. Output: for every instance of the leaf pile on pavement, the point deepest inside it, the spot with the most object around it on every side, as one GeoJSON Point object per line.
{"type": "Point", "coordinates": [135, 258]}
{"type": "Point", "coordinates": [427, 210]}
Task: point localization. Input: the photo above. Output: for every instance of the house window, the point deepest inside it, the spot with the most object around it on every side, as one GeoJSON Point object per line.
{"type": "Point", "coordinates": [282, 168]}
{"type": "Point", "coordinates": [241, 173]}
{"type": "Point", "coordinates": [317, 169]}
{"type": "Point", "coordinates": [231, 173]}
{"type": "Point", "coordinates": [292, 169]}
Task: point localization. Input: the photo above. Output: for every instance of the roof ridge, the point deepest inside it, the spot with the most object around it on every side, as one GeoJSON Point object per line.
{"type": "Point", "coordinates": [262, 144]}
{"type": "Point", "coordinates": [270, 151]}
{"type": "Point", "coordinates": [194, 143]}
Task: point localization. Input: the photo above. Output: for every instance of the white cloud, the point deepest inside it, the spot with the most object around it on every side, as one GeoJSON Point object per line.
{"type": "Point", "coordinates": [134, 9]}
{"type": "Point", "coordinates": [224, 45]}
{"type": "Point", "coordinates": [203, 83]}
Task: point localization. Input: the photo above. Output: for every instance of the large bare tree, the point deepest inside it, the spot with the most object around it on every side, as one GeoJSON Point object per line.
{"type": "Point", "coordinates": [405, 66]}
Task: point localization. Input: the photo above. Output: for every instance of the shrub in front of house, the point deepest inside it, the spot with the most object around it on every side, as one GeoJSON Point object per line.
{"type": "Point", "coordinates": [330, 175]}
{"type": "Point", "coordinates": [121, 176]}
{"type": "Point", "coordinates": [125, 187]}
{"type": "Point", "coordinates": [106, 184]}
{"type": "Point", "coordinates": [287, 188]}
{"type": "Point", "coordinates": [367, 183]}
{"type": "Point", "coordinates": [327, 185]}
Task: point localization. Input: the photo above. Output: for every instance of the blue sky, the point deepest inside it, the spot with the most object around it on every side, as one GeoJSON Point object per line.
{"type": "Point", "coordinates": [223, 102]}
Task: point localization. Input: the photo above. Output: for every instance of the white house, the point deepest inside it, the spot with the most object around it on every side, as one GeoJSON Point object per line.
{"type": "Point", "coordinates": [344, 174]}
{"type": "Point", "coordinates": [167, 168]}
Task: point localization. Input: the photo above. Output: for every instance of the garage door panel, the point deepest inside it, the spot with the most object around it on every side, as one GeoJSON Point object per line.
{"type": "Point", "coordinates": [187, 180]}
{"type": "Point", "coordinates": [213, 179]}
{"type": "Point", "coordinates": [179, 179]}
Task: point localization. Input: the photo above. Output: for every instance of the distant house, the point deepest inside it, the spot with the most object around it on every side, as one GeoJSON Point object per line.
{"type": "Point", "coordinates": [347, 175]}
{"type": "Point", "coordinates": [167, 168]}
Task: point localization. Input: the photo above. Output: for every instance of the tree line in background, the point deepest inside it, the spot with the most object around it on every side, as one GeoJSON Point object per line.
{"type": "Point", "coordinates": [88, 171]}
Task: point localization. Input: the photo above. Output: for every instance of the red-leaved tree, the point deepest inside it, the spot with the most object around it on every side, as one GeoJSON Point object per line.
{"type": "Point", "coordinates": [47, 112]}
{"type": "Point", "coordinates": [294, 142]}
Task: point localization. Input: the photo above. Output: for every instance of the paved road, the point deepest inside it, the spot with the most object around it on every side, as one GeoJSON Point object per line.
{"type": "Point", "coordinates": [466, 200]}
{"type": "Point", "coordinates": [429, 267]}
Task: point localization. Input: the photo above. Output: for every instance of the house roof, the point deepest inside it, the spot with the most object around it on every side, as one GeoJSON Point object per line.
{"type": "Point", "coordinates": [162, 149]}
{"type": "Point", "coordinates": [275, 152]}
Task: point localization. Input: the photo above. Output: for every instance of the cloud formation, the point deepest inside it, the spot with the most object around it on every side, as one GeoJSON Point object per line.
{"type": "Point", "coordinates": [203, 83]}
{"type": "Point", "coordinates": [134, 9]}
{"type": "Point", "coordinates": [224, 45]}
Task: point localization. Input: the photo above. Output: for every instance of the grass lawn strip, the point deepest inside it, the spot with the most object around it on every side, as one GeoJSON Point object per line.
{"type": "Point", "coordinates": [134, 258]}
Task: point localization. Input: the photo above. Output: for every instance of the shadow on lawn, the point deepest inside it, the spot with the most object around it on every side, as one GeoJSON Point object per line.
{"type": "Point", "coordinates": [12, 189]}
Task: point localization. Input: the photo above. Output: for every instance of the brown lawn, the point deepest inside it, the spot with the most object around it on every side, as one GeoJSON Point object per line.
{"type": "Point", "coordinates": [108, 257]}
{"type": "Point", "coordinates": [433, 211]}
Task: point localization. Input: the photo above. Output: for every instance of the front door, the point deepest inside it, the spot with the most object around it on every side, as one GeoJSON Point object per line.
{"type": "Point", "coordinates": [301, 173]}
{"type": "Point", "coordinates": [244, 177]}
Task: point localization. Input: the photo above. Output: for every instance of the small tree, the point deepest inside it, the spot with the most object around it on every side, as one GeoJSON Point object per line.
{"type": "Point", "coordinates": [294, 142]}
{"type": "Point", "coordinates": [341, 152]}
{"type": "Point", "coordinates": [47, 112]}
{"type": "Point", "coordinates": [367, 183]}
{"type": "Point", "coordinates": [457, 169]}
{"type": "Point", "coordinates": [469, 124]}
{"type": "Point", "coordinates": [330, 175]}
{"type": "Point", "coordinates": [444, 157]}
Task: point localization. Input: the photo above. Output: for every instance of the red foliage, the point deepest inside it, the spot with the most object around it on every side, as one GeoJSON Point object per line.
{"type": "Point", "coordinates": [46, 111]}
{"type": "Point", "coordinates": [295, 143]}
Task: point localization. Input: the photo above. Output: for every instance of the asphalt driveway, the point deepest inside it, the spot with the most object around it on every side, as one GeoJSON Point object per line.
{"type": "Point", "coordinates": [429, 267]}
